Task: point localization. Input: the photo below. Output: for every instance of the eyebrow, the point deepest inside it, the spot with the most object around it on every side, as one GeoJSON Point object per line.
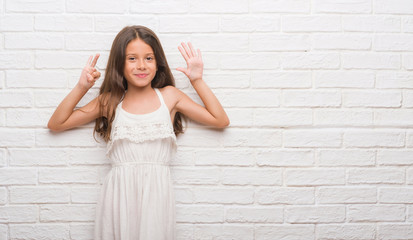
{"type": "Point", "coordinates": [127, 54]}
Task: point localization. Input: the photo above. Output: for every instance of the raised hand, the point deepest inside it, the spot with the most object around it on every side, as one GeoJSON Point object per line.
{"type": "Point", "coordinates": [194, 65]}
{"type": "Point", "coordinates": [89, 73]}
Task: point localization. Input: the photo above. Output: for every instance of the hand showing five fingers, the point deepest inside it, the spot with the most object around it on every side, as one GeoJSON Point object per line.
{"type": "Point", "coordinates": [194, 63]}
{"type": "Point", "coordinates": [89, 73]}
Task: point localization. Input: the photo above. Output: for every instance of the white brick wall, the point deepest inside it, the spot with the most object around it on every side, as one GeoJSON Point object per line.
{"type": "Point", "coordinates": [319, 93]}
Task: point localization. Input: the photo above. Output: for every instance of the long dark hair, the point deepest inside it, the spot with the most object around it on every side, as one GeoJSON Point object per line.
{"type": "Point", "coordinates": [114, 85]}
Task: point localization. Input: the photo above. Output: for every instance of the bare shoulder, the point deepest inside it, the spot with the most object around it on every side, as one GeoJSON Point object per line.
{"type": "Point", "coordinates": [171, 96]}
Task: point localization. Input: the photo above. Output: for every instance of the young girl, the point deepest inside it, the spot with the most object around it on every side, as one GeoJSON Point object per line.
{"type": "Point", "coordinates": [138, 113]}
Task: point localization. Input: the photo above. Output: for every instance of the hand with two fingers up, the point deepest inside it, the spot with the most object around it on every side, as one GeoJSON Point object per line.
{"type": "Point", "coordinates": [89, 74]}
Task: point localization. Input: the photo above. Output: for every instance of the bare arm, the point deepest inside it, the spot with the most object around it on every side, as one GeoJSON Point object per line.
{"type": "Point", "coordinates": [213, 114]}
{"type": "Point", "coordinates": [64, 116]}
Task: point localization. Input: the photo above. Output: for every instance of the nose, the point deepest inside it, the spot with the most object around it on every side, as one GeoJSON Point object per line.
{"type": "Point", "coordinates": [140, 64]}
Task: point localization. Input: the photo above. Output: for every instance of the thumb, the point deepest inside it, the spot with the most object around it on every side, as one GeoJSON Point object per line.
{"type": "Point", "coordinates": [183, 70]}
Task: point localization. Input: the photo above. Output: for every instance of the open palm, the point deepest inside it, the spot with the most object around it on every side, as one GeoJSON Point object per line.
{"type": "Point", "coordinates": [194, 64]}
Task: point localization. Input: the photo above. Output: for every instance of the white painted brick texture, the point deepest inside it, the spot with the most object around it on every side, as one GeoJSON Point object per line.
{"type": "Point", "coordinates": [319, 94]}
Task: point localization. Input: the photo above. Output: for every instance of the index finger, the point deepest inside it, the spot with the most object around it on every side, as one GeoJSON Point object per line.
{"type": "Point", "coordinates": [95, 60]}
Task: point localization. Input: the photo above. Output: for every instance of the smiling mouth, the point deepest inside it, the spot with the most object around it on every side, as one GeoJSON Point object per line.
{"type": "Point", "coordinates": [141, 75]}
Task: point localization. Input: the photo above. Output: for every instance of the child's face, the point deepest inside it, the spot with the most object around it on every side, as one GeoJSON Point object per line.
{"type": "Point", "coordinates": [140, 64]}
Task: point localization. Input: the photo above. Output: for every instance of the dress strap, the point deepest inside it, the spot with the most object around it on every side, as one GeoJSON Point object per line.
{"type": "Point", "coordinates": [160, 96]}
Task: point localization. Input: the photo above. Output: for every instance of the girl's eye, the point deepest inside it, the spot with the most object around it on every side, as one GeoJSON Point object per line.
{"type": "Point", "coordinates": [131, 58]}
{"type": "Point", "coordinates": [149, 58]}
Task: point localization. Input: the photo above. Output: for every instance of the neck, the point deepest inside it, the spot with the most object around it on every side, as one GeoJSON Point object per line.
{"type": "Point", "coordinates": [138, 92]}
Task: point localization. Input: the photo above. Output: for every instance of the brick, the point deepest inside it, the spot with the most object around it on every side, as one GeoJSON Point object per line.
{"type": "Point", "coordinates": [3, 154]}
{"type": "Point", "coordinates": [375, 176]}
{"type": "Point", "coordinates": [374, 138]}
{"type": "Point", "coordinates": [407, 60]}
{"type": "Point", "coordinates": [280, 6]}
{"type": "Point", "coordinates": [39, 231]}
{"type": "Point", "coordinates": [28, 157]}
{"type": "Point", "coordinates": [282, 118]}
{"type": "Point", "coordinates": [217, 6]}
{"type": "Point", "coordinates": [39, 194]}
{"type": "Point", "coordinates": [394, 80]}
{"type": "Point", "coordinates": [394, 117]}
{"type": "Point", "coordinates": [18, 118]}
{"type": "Point", "coordinates": [345, 195]}
{"type": "Point", "coordinates": [409, 178]}
{"type": "Point", "coordinates": [279, 42]}
{"type": "Point", "coordinates": [19, 214]}
{"type": "Point", "coordinates": [346, 157]}
{"type": "Point", "coordinates": [285, 195]}
{"type": "Point", "coordinates": [285, 158]}
{"type": "Point", "coordinates": [330, 117]}
{"type": "Point", "coordinates": [36, 79]}
{"type": "Point", "coordinates": [355, 6]}
{"type": "Point", "coordinates": [267, 79]}
{"type": "Point", "coordinates": [315, 214]}
{"type": "Point", "coordinates": [310, 61]}
{"type": "Point", "coordinates": [3, 227]}
{"type": "Point", "coordinates": [224, 157]}
{"type": "Point", "coordinates": [370, 61]}
{"type": "Point", "coordinates": [66, 60]}
{"type": "Point", "coordinates": [80, 137]}
{"type": "Point", "coordinates": [96, 6]}
{"type": "Point", "coordinates": [16, 23]}
{"type": "Point", "coordinates": [13, 60]}
{"type": "Point", "coordinates": [254, 214]}
{"type": "Point", "coordinates": [250, 23]}
{"type": "Point", "coordinates": [3, 196]}
{"type": "Point", "coordinates": [196, 175]}
{"type": "Point", "coordinates": [315, 98]}
{"type": "Point", "coordinates": [394, 7]}
{"type": "Point", "coordinates": [221, 42]}
{"type": "Point", "coordinates": [314, 177]}
{"type": "Point", "coordinates": [208, 138]}
{"type": "Point", "coordinates": [254, 61]}
{"type": "Point", "coordinates": [114, 23]}
{"type": "Point", "coordinates": [82, 231]}
{"type": "Point", "coordinates": [395, 231]}
{"type": "Point", "coordinates": [250, 98]}
{"type": "Point", "coordinates": [346, 41]}
{"type": "Point", "coordinates": [393, 42]}
{"type": "Point", "coordinates": [199, 214]}
{"type": "Point", "coordinates": [227, 80]}
{"type": "Point", "coordinates": [409, 141]}
{"type": "Point", "coordinates": [88, 156]}
{"type": "Point", "coordinates": [285, 231]}
{"type": "Point", "coordinates": [12, 137]}
{"type": "Point", "coordinates": [16, 99]}
{"type": "Point", "coordinates": [67, 175]}
{"type": "Point", "coordinates": [66, 23]}
{"type": "Point", "coordinates": [346, 231]}
{"type": "Point", "coordinates": [37, 41]}
{"type": "Point", "coordinates": [407, 98]}
{"type": "Point", "coordinates": [371, 23]}
{"type": "Point", "coordinates": [376, 98]}
{"type": "Point", "coordinates": [312, 138]}
{"type": "Point", "coordinates": [407, 24]}
{"type": "Point", "coordinates": [159, 6]}
{"type": "Point", "coordinates": [395, 157]}
{"type": "Point", "coordinates": [220, 231]}
{"type": "Point", "coordinates": [251, 138]}
{"type": "Point", "coordinates": [255, 176]}
{"type": "Point", "coordinates": [45, 6]}
{"type": "Point", "coordinates": [89, 41]}
{"type": "Point", "coordinates": [189, 23]}
{"type": "Point", "coordinates": [233, 195]}
{"type": "Point", "coordinates": [61, 212]}
{"type": "Point", "coordinates": [376, 213]}
{"type": "Point", "coordinates": [84, 195]}
{"type": "Point", "coordinates": [184, 194]}
{"type": "Point", "coordinates": [396, 195]}
{"type": "Point", "coordinates": [311, 24]}
{"type": "Point", "coordinates": [344, 79]}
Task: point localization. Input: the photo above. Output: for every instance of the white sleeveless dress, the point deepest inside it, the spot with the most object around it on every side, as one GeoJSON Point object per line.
{"type": "Point", "coordinates": [137, 200]}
